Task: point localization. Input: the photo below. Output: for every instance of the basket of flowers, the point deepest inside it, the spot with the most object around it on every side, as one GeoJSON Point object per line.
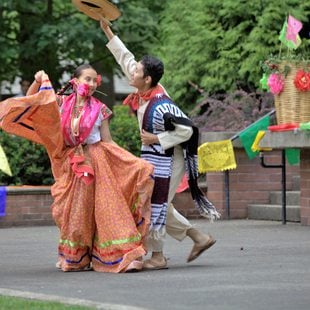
{"type": "Point", "coordinates": [287, 77]}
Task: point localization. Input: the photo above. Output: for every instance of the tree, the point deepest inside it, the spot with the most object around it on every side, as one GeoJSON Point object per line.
{"type": "Point", "coordinates": [218, 45]}
{"type": "Point", "coordinates": [8, 42]}
{"type": "Point", "coordinates": [55, 36]}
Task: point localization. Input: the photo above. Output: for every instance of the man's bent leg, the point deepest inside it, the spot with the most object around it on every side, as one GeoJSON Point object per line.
{"type": "Point", "coordinates": [177, 225]}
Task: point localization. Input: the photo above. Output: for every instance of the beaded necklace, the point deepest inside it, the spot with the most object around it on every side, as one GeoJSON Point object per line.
{"type": "Point", "coordinates": [75, 121]}
{"type": "Point", "coordinates": [77, 111]}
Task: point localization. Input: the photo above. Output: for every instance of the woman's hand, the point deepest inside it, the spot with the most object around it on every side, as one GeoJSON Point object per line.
{"type": "Point", "coordinates": [34, 87]}
{"type": "Point", "coordinates": [38, 76]}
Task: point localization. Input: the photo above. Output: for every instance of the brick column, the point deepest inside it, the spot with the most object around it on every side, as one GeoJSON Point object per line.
{"type": "Point", "coordinates": [305, 187]}
{"type": "Point", "coordinates": [216, 191]}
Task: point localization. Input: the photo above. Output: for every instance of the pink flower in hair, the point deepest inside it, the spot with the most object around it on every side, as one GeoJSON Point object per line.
{"type": "Point", "coordinates": [99, 80]}
{"type": "Point", "coordinates": [276, 83]}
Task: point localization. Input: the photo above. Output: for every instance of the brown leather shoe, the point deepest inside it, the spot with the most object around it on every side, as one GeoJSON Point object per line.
{"type": "Point", "coordinates": [197, 249]}
{"type": "Point", "coordinates": [151, 264]}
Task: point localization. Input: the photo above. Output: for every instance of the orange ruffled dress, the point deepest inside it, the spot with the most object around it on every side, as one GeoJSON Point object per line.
{"type": "Point", "coordinates": [104, 221]}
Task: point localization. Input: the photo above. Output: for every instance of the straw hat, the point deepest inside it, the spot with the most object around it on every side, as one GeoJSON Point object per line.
{"type": "Point", "coordinates": [98, 9]}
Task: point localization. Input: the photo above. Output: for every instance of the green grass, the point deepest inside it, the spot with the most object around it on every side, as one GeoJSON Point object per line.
{"type": "Point", "coordinates": [14, 303]}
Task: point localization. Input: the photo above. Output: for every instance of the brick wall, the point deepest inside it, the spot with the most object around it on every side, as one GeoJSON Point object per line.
{"type": "Point", "coordinates": [305, 187]}
{"type": "Point", "coordinates": [27, 206]}
{"type": "Point", "coordinates": [249, 183]}
{"type": "Point", "coordinates": [183, 202]}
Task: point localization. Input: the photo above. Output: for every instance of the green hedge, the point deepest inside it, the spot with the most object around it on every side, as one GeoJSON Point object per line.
{"type": "Point", "coordinates": [125, 130]}
{"type": "Point", "coordinates": [29, 162]}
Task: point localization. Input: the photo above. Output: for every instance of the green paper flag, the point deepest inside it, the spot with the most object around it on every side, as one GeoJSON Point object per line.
{"type": "Point", "coordinates": [248, 135]}
{"type": "Point", "coordinates": [264, 82]}
{"type": "Point", "coordinates": [292, 156]}
{"type": "Point", "coordinates": [304, 126]}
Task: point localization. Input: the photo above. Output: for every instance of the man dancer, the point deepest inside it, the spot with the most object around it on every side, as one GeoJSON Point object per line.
{"type": "Point", "coordinates": [164, 127]}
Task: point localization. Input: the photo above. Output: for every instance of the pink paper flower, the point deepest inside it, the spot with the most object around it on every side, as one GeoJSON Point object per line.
{"type": "Point", "coordinates": [276, 83]}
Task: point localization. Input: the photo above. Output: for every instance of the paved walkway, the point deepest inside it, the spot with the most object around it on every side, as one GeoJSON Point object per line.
{"type": "Point", "coordinates": [255, 265]}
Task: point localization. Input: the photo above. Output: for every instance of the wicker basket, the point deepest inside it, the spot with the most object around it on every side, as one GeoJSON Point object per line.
{"type": "Point", "coordinates": [292, 105]}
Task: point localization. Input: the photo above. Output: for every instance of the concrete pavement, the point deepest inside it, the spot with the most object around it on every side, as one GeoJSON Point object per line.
{"type": "Point", "coordinates": [255, 265]}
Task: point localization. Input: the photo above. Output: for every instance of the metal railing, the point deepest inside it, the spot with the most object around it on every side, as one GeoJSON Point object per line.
{"type": "Point", "coordinates": [263, 164]}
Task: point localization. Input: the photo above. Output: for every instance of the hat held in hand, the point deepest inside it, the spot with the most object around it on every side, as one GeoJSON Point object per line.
{"type": "Point", "coordinates": [98, 9]}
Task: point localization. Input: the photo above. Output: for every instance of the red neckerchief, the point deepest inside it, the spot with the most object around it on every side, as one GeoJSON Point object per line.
{"type": "Point", "coordinates": [133, 99]}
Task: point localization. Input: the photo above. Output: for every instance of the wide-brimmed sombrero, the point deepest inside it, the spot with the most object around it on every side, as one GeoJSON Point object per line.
{"type": "Point", "coordinates": [98, 9]}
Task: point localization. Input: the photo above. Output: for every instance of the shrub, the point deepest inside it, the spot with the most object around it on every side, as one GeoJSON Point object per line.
{"type": "Point", "coordinates": [29, 162]}
{"type": "Point", "coordinates": [125, 129]}
{"type": "Point", "coordinates": [231, 112]}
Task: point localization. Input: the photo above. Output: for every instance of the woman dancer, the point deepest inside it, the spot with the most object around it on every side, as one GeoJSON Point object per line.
{"type": "Point", "coordinates": [101, 192]}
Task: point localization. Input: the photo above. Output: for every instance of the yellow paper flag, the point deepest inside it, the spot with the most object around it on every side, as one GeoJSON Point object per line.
{"type": "Point", "coordinates": [4, 164]}
{"type": "Point", "coordinates": [255, 146]}
{"type": "Point", "coordinates": [216, 156]}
